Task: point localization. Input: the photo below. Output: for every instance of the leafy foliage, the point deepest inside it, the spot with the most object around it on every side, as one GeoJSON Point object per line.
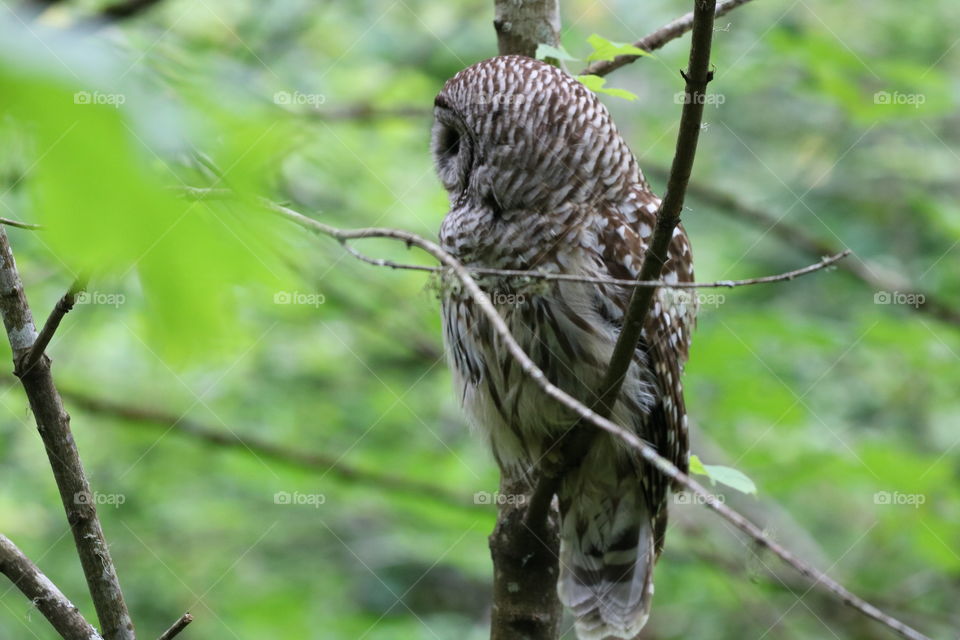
{"type": "Point", "coordinates": [842, 408]}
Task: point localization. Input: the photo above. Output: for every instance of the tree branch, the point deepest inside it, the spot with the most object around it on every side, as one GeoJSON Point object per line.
{"type": "Point", "coordinates": [871, 274]}
{"type": "Point", "coordinates": [648, 453]}
{"type": "Point", "coordinates": [21, 225]}
{"type": "Point", "coordinates": [62, 308]}
{"type": "Point", "coordinates": [521, 26]}
{"type": "Point", "coordinates": [44, 595]}
{"type": "Point", "coordinates": [657, 39]}
{"type": "Point", "coordinates": [53, 424]}
{"type": "Point", "coordinates": [825, 262]}
{"type": "Point", "coordinates": [576, 443]}
{"type": "Point", "coordinates": [260, 447]}
{"type": "Point", "coordinates": [177, 627]}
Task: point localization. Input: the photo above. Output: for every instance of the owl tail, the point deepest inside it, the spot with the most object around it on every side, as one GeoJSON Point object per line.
{"type": "Point", "coordinates": [606, 558]}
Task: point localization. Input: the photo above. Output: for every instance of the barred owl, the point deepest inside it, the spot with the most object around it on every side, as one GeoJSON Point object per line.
{"type": "Point", "coordinates": [539, 178]}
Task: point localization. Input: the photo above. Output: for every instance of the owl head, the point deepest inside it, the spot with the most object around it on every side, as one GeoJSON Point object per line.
{"type": "Point", "coordinates": [516, 134]}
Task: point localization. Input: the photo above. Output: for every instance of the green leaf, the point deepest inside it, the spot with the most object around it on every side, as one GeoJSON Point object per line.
{"type": "Point", "coordinates": [724, 475]}
{"type": "Point", "coordinates": [545, 51]}
{"type": "Point", "coordinates": [604, 49]}
{"type": "Point", "coordinates": [595, 84]}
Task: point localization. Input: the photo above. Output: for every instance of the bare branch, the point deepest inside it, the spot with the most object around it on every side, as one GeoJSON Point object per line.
{"type": "Point", "coordinates": [251, 444]}
{"type": "Point", "coordinates": [657, 39]}
{"type": "Point", "coordinates": [177, 627]}
{"type": "Point", "coordinates": [53, 424]}
{"type": "Point", "coordinates": [45, 596]}
{"type": "Point", "coordinates": [647, 452]}
{"type": "Point", "coordinates": [874, 275]}
{"type": "Point", "coordinates": [824, 263]}
{"type": "Point", "coordinates": [20, 225]}
{"type": "Point", "coordinates": [576, 443]}
{"type": "Point", "coordinates": [62, 308]}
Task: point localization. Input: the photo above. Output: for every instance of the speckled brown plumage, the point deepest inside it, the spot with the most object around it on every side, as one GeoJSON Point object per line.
{"type": "Point", "coordinates": [540, 178]}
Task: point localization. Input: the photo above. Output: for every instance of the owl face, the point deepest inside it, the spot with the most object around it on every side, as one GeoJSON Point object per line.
{"type": "Point", "coordinates": [513, 134]}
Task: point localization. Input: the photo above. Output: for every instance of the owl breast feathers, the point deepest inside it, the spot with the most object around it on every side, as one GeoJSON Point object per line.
{"type": "Point", "coordinates": [540, 179]}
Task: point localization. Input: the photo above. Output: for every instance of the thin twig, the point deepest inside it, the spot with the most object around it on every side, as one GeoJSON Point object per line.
{"type": "Point", "coordinates": [21, 225]}
{"type": "Point", "coordinates": [657, 39]}
{"type": "Point", "coordinates": [825, 262]}
{"type": "Point", "coordinates": [45, 596]}
{"type": "Point", "coordinates": [62, 308]}
{"type": "Point", "coordinates": [575, 444]}
{"type": "Point", "coordinates": [53, 424]}
{"type": "Point", "coordinates": [177, 627]}
{"type": "Point", "coordinates": [263, 448]}
{"type": "Point", "coordinates": [647, 452]}
{"type": "Point", "coordinates": [875, 276]}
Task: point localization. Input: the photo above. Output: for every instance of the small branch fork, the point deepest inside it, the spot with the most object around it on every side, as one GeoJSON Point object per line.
{"type": "Point", "coordinates": [53, 424]}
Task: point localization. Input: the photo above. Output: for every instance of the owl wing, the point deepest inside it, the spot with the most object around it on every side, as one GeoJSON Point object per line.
{"type": "Point", "coordinates": [665, 339]}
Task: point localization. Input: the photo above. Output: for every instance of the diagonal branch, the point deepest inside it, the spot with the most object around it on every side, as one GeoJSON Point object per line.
{"type": "Point", "coordinates": [53, 424]}
{"type": "Point", "coordinates": [45, 596]}
{"type": "Point", "coordinates": [874, 275]}
{"type": "Point", "coordinates": [658, 38]}
{"type": "Point", "coordinates": [576, 443]}
{"type": "Point", "coordinates": [176, 627]}
{"type": "Point", "coordinates": [828, 259]}
{"type": "Point", "coordinates": [62, 308]}
{"type": "Point", "coordinates": [647, 452]}
{"type": "Point", "coordinates": [260, 447]}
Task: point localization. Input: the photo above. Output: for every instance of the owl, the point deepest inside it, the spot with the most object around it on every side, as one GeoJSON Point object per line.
{"type": "Point", "coordinates": [539, 178]}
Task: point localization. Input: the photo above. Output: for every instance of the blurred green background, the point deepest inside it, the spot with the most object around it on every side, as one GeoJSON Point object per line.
{"type": "Point", "coordinates": [349, 510]}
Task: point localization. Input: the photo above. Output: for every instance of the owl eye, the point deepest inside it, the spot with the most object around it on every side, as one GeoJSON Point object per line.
{"type": "Point", "coordinates": [451, 152]}
{"type": "Point", "coordinates": [448, 144]}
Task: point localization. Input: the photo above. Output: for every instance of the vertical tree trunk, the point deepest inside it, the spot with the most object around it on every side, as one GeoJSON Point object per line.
{"type": "Point", "coordinates": [523, 24]}
{"type": "Point", "coordinates": [525, 561]}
